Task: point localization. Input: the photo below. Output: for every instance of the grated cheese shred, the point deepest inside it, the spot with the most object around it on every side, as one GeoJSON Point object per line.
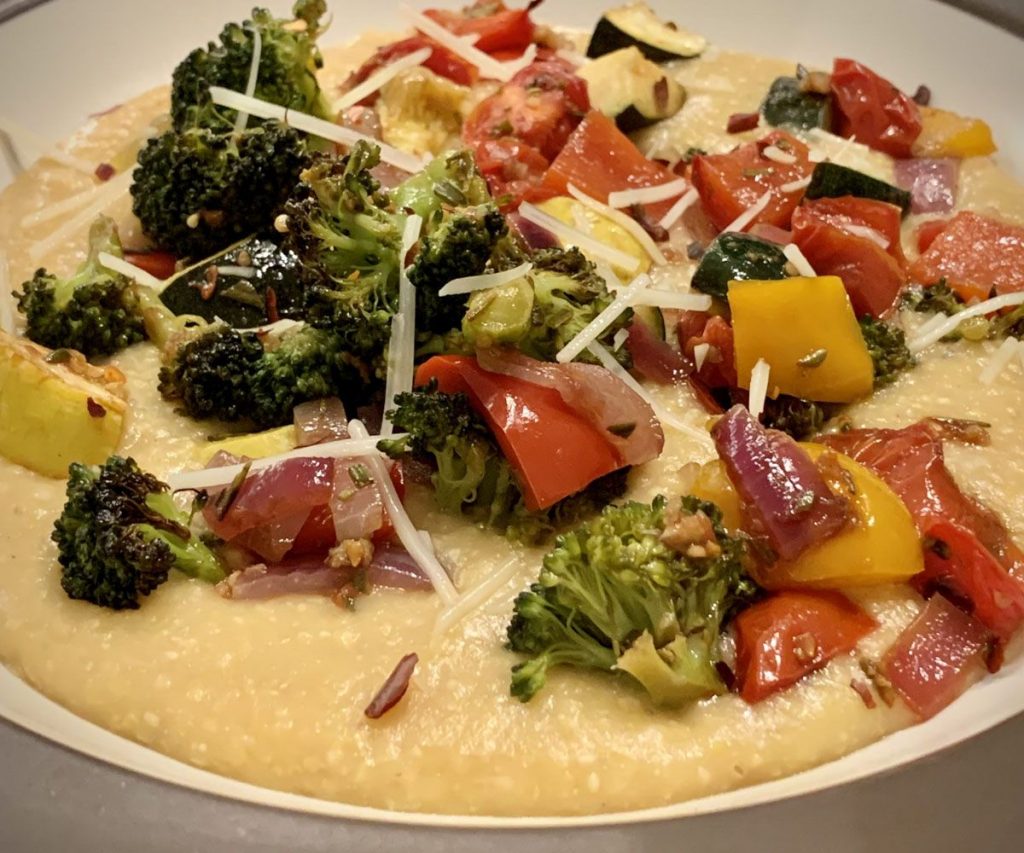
{"type": "Point", "coordinates": [1000, 360]}
{"type": "Point", "coordinates": [798, 260]}
{"type": "Point", "coordinates": [120, 265]}
{"type": "Point", "coordinates": [596, 327]}
{"type": "Point", "coordinates": [624, 221]}
{"type": "Point", "coordinates": [381, 77]}
{"type": "Point", "coordinates": [750, 214]}
{"type": "Point", "coordinates": [938, 330]}
{"type": "Point", "coordinates": [647, 195]}
{"type": "Point", "coordinates": [484, 281]}
{"type": "Point", "coordinates": [675, 213]}
{"type": "Point", "coordinates": [242, 119]}
{"type": "Point", "coordinates": [759, 377]}
{"type": "Point", "coordinates": [586, 243]}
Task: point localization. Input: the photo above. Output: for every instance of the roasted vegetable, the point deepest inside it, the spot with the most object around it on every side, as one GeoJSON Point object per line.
{"type": "Point", "coordinates": [789, 103]}
{"type": "Point", "coordinates": [642, 588]}
{"type": "Point", "coordinates": [631, 89]}
{"type": "Point", "coordinates": [120, 534]}
{"type": "Point", "coordinates": [636, 25]}
{"type": "Point", "coordinates": [56, 408]}
{"type": "Point", "coordinates": [830, 180]}
{"type": "Point", "coordinates": [946, 134]}
{"type": "Point", "coordinates": [887, 346]}
{"type": "Point", "coordinates": [737, 257]}
{"type": "Point", "coordinates": [95, 311]}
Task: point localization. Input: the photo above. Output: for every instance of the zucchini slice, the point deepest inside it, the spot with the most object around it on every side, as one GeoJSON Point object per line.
{"type": "Point", "coordinates": [240, 302]}
{"type": "Point", "coordinates": [635, 25]}
{"type": "Point", "coordinates": [787, 105]}
{"type": "Point", "coordinates": [830, 180]}
{"type": "Point", "coordinates": [631, 89]}
{"type": "Point", "coordinates": [652, 318]}
{"type": "Point", "coordinates": [738, 257]}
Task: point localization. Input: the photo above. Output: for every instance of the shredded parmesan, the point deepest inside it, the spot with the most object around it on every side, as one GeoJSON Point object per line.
{"type": "Point", "coordinates": [596, 327]}
{"type": "Point", "coordinates": [673, 299]}
{"type": "Point", "coordinates": [586, 243]}
{"type": "Point", "coordinates": [814, 156]}
{"type": "Point", "coordinates": [621, 336]}
{"type": "Point", "coordinates": [647, 195]}
{"type": "Point", "coordinates": [611, 280]}
{"type": "Point", "coordinates": [58, 209]}
{"type": "Point", "coordinates": [700, 354]}
{"type": "Point", "coordinates": [666, 417]}
{"type": "Point", "coordinates": [120, 265]}
{"type": "Point", "coordinates": [312, 125]}
{"type": "Point", "coordinates": [407, 533]}
{"type": "Point", "coordinates": [7, 310]}
{"type": "Point", "coordinates": [572, 57]}
{"type": "Point", "coordinates": [105, 196]}
{"type": "Point", "coordinates": [209, 478]}
{"type": "Point", "coordinates": [402, 345]}
{"type": "Point", "coordinates": [488, 65]}
{"type": "Point", "coordinates": [240, 272]}
{"type": "Point", "coordinates": [242, 119]}
{"type": "Point", "coordinates": [797, 259]}
{"type": "Point", "coordinates": [476, 598]}
{"type": "Point", "coordinates": [759, 376]}
{"type": "Point", "coordinates": [278, 327]}
{"type": "Point", "coordinates": [750, 214]}
{"type": "Point", "coordinates": [675, 213]}
{"type": "Point", "coordinates": [999, 361]}
{"type": "Point", "coordinates": [485, 281]}
{"type": "Point", "coordinates": [864, 231]}
{"type": "Point", "coordinates": [624, 221]}
{"type": "Point", "coordinates": [937, 331]}
{"type": "Point", "coordinates": [796, 186]}
{"type": "Point", "coordinates": [45, 148]}
{"type": "Point", "coordinates": [773, 152]}
{"type": "Point", "coordinates": [378, 79]}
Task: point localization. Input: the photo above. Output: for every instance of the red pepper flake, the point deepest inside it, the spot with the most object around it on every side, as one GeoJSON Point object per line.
{"type": "Point", "coordinates": [923, 96]}
{"type": "Point", "coordinates": [861, 688]}
{"type": "Point", "coordinates": [270, 300]}
{"type": "Point", "coordinates": [104, 171]}
{"type": "Point", "coordinates": [391, 693]}
{"type": "Point", "coordinates": [209, 287]}
{"type": "Point", "coordinates": [739, 122]}
{"type": "Point", "coordinates": [95, 409]}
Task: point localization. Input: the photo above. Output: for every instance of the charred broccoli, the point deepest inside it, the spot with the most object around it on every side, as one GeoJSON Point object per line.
{"type": "Point", "coordinates": [795, 416]}
{"type": "Point", "coordinates": [472, 476]}
{"type": "Point", "coordinates": [541, 312]}
{"type": "Point", "coordinates": [198, 190]}
{"type": "Point", "coordinates": [96, 311]}
{"type": "Point", "coordinates": [887, 346]}
{"type": "Point", "coordinates": [288, 62]}
{"type": "Point", "coordinates": [120, 534]}
{"type": "Point", "coordinates": [231, 375]}
{"type": "Point", "coordinates": [642, 588]}
{"type": "Point", "coordinates": [940, 298]}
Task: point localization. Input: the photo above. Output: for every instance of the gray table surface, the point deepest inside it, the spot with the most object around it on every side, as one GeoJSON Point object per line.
{"type": "Point", "coordinates": [965, 799]}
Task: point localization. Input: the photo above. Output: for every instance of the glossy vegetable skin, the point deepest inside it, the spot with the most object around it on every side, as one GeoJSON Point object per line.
{"type": "Point", "coordinates": [831, 180]}
{"type": "Point", "coordinates": [822, 355]}
{"type": "Point", "coordinates": [873, 276]}
{"type": "Point", "coordinates": [632, 90]}
{"type": "Point", "coordinates": [553, 450]}
{"type": "Point", "coordinates": [787, 105]}
{"type": "Point", "coordinates": [497, 28]}
{"type": "Point", "coordinates": [946, 134]}
{"type": "Point", "coordinates": [737, 257]}
{"type": "Point", "coordinates": [937, 657]}
{"type": "Point", "coordinates": [441, 61]}
{"type": "Point", "coordinates": [599, 159]}
{"type": "Point", "coordinates": [790, 634]}
{"type": "Point", "coordinates": [871, 108]}
{"type": "Point", "coordinates": [636, 25]}
{"type": "Point", "coordinates": [730, 183]}
{"type": "Point", "coordinates": [976, 255]}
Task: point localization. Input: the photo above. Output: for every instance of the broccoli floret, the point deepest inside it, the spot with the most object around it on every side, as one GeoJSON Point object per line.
{"type": "Point", "coordinates": [472, 476]}
{"type": "Point", "coordinates": [939, 298]}
{"type": "Point", "coordinates": [887, 346]}
{"type": "Point", "coordinates": [238, 376]}
{"type": "Point", "coordinates": [120, 534]}
{"type": "Point", "coordinates": [458, 245]}
{"type": "Point", "coordinates": [198, 190]}
{"type": "Point", "coordinates": [449, 181]}
{"type": "Point", "coordinates": [545, 310]}
{"type": "Point", "coordinates": [348, 241]}
{"type": "Point", "coordinates": [618, 593]}
{"type": "Point", "coordinates": [289, 60]}
{"type": "Point", "coordinates": [795, 416]}
{"type": "Point", "coordinates": [95, 311]}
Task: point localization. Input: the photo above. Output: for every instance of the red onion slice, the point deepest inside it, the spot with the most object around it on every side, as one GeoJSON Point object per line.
{"type": "Point", "coordinates": [391, 693]}
{"type": "Point", "coordinates": [275, 539]}
{"type": "Point", "coordinates": [932, 183]}
{"type": "Point", "coordinates": [654, 358]}
{"type": "Point", "coordinates": [355, 501]}
{"type": "Point", "coordinates": [393, 567]}
{"type": "Point", "coordinates": [317, 421]}
{"type": "Point", "coordinates": [297, 576]}
{"type": "Point", "coordinates": [783, 491]}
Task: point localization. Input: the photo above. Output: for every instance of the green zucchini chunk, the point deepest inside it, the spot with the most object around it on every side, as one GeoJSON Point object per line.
{"type": "Point", "coordinates": [635, 25]}
{"type": "Point", "coordinates": [631, 89]}
{"type": "Point", "coordinates": [830, 180]}
{"type": "Point", "coordinates": [738, 257]}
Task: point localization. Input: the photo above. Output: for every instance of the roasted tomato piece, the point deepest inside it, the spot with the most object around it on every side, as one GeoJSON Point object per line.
{"type": "Point", "coordinates": [850, 211]}
{"type": "Point", "coordinates": [872, 109]}
{"type": "Point", "coordinates": [976, 255]}
{"type": "Point", "coordinates": [964, 570]}
{"type": "Point", "coordinates": [731, 183]}
{"type": "Point", "coordinates": [599, 159]}
{"type": "Point", "coordinates": [718, 369]}
{"type": "Point", "coordinates": [784, 637]}
{"type": "Point", "coordinates": [512, 168]}
{"type": "Point", "coordinates": [540, 106]}
{"type": "Point", "coordinates": [160, 264]}
{"type": "Point", "coordinates": [873, 277]}
{"type": "Point", "coordinates": [496, 27]}
{"type": "Point", "coordinates": [928, 231]}
{"type": "Point", "coordinates": [554, 450]}
{"type": "Point", "coordinates": [937, 657]}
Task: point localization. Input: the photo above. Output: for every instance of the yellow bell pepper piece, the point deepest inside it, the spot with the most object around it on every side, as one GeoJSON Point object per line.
{"type": "Point", "coordinates": [946, 134]}
{"type": "Point", "coordinates": [602, 229]}
{"type": "Point", "coordinates": [882, 547]}
{"type": "Point", "coordinates": [806, 330]}
{"type": "Point", "coordinates": [56, 412]}
{"type": "Point", "coordinates": [255, 445]}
